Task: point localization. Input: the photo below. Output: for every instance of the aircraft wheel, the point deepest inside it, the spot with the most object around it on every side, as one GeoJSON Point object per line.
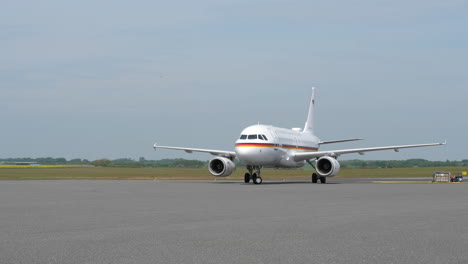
{"type": "Point", "coordinates": [247, 178]}
{"type": "Point", "coordinates": [254, 177]}
{"type": "Point", "coordinates": [258, 180]}
{"type": "Point", "coordinates": [323, 179]}
{"type": "Point", "coordinates": [314, 177]}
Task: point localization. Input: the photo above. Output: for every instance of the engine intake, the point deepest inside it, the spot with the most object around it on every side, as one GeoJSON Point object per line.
{"type": "Point", "coordinates": [221, 167]}
{"type": "Point", "coordinates": [327, 166]}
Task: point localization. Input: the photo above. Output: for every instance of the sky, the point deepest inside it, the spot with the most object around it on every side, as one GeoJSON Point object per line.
{"type": "Point", "coordinates": [108, 79]}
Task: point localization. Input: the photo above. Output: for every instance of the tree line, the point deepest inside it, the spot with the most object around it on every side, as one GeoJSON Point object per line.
{"type": "Point", "coordinates": [183, 163]}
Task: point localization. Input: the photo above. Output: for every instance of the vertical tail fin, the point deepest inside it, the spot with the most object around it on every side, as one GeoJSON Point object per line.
{"type": "Point", "coordinates": [309, 125]}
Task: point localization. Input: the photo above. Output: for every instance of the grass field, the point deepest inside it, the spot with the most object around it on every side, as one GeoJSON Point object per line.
{"type": "Point", "coordinates": [112, 173]}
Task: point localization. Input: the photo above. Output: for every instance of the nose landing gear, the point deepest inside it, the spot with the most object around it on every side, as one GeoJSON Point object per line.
{"type": "Point", "coordinates": [255, 177]}
{"type": "Point", "coordinates": [247, 177]}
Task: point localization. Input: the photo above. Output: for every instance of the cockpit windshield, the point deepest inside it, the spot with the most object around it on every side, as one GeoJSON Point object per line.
{"type": "Point", "coordinates": [261, 137]}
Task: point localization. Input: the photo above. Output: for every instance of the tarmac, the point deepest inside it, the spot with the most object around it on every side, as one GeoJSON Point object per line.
{"type": "Point", "coordinates": [232, 222]}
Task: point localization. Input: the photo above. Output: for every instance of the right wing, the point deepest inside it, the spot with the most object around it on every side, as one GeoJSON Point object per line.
{"type": "Point", "coordinates": [223, 153]}
{"type": "Point", "coordinates": [335, 153]}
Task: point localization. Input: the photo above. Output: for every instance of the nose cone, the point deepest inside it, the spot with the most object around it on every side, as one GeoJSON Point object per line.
{"type": "Point", "coordinates": [260, 156]}
{"type": "Point", "coordinates": [247, 154]}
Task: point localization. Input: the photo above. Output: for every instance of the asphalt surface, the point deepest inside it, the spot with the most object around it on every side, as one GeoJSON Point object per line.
{"type": "Point", "coordinates": [231, 222]}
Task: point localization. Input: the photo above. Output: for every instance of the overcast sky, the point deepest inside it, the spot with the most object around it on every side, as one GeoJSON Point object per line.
{"type": "Point", "coordinates": [107, 79]}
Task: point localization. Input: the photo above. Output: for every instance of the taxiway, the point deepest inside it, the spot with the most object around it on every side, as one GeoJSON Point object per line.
{"type": "Point", "coordinates": [231, 222]}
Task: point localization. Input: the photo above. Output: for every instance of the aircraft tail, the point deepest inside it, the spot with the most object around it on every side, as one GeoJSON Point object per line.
{"type": "Point", "coordinates": [309, 125]}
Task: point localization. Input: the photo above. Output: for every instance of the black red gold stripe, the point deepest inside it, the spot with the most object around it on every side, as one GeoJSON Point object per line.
{"type": "Point", "coordinates": [265, 145]}
{"type": "Point", "coordinates": [299, 147]}
{"type": "Point", "coordinates": [255, 145]}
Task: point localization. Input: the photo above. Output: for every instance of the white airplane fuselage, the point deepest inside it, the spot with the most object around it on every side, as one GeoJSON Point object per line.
{"type": "Point", "coordinates": [274, 147]}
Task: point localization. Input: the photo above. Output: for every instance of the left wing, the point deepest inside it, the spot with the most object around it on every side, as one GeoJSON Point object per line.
{"type": "Point", "coordinates": [338, 141]}
{"type": "Point", "coordinates": [230, 154]}
{"type": "Point", "coordinates": [300, 156]}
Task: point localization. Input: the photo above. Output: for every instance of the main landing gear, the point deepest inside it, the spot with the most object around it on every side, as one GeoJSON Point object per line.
{"type": "Point", "coordinates": [315, 178]}
{"type": "Point", "coordinates": [255, 177]}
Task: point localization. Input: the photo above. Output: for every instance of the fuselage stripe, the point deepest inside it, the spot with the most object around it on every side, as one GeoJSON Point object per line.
{"type": "Point", "coordinates": [273, 145]}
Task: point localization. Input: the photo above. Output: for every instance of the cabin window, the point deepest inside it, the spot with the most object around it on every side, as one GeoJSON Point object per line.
{"type": "Point", "coordinates": [252, 136]}
{"type": "Point", "coordinates": [243, 137]}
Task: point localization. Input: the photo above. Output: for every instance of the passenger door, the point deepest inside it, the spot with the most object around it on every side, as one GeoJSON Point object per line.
{"type": "Point", "coordinates": [275, 139]}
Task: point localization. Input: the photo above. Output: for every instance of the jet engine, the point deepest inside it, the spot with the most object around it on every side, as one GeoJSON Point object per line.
{"type": "Point", "coordinates": [221, 167]}
{"type": "Point", "coordinates": [327, 166]}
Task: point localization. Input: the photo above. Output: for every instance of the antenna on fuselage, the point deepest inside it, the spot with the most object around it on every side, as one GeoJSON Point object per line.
{"type": "Point", "coordinates": [309, 125]}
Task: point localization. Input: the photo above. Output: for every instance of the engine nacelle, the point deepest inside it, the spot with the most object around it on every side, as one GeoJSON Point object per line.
{"type": "Point", "coordinates": [327, 167]}
{"type": "Point", "coordinates": [221, 167]}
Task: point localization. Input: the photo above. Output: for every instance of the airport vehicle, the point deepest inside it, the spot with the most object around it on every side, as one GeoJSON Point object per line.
{"type": "Point", "coordinates": [265, 146]}
{"type": "Point", "coordinates": [442, 177]}
{"type": "Point", "coordinates": [458, 178]}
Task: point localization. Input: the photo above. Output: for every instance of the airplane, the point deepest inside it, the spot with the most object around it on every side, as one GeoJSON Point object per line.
{"type": "Point", "coordinates": [265, 146]}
